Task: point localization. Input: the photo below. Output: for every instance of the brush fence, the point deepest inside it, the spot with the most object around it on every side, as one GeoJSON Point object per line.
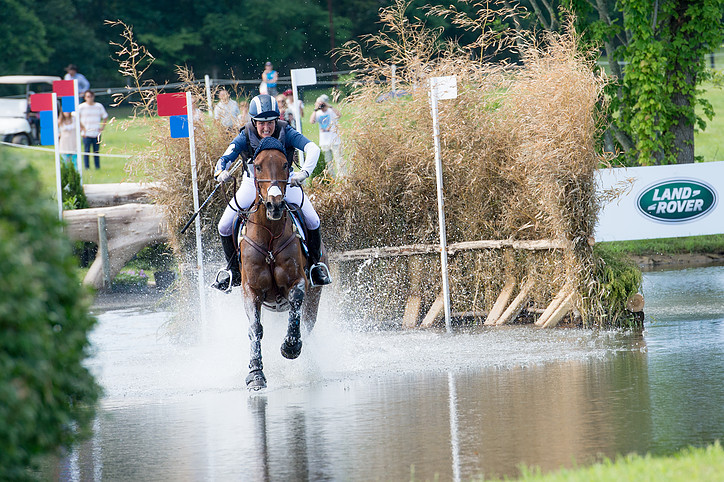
{"type": "Point", "coordinates": [421, 268]}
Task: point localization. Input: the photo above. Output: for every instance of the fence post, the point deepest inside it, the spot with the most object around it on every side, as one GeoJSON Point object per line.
{"type": "Point", "coordinates": [103, 248]}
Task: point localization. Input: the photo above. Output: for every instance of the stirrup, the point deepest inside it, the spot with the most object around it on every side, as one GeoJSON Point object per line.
{"type": "Point", "coordinates": [319, 274]}
{"type": "Point", "coordinates": [222, 282]}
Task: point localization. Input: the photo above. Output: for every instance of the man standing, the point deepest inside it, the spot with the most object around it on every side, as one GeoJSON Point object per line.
{"type": "Point", "coordinates": [329, 141]}
{"type": "Point", "coordinates": [227, 111]}
{"type": "Point", "coordinates": [92, 117]}
{"type": "Point", "coordinates": [72, 74]}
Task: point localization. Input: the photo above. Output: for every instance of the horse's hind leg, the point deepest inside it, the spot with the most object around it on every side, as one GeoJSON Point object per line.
{"type": "Point", "coordinates": [292, 346]}
{"type": "Point", "coordinates": [256, 379]}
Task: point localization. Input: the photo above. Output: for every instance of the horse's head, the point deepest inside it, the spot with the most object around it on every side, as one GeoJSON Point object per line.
{"type": "Point", "coordinates": [271, 171]}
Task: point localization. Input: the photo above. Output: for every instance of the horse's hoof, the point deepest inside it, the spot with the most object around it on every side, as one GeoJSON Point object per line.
{"type": "Point", "coordinates": [291, 348]}
{"type": "Point", "coordinates": [255, 380]}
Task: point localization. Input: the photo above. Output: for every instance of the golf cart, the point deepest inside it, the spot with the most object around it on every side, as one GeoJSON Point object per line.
{"type": "Point", "coordinates": [17, 124]}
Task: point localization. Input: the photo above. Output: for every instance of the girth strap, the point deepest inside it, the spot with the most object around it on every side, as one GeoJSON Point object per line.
{"type": "Point", "coordinates": [269, 255]}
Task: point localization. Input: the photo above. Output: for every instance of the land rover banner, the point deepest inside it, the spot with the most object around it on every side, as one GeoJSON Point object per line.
{"type": "Point", "coordinates": [661, 201]}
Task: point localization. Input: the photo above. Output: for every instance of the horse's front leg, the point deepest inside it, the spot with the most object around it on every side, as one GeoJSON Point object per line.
{"type": "Point", "coordinates": [292, 346]}
{"type": "Point", "coordinates": [256, 379]}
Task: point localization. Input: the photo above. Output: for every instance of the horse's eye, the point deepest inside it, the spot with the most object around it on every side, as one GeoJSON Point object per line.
{"type": "Point", "coordinates": [258, 168]}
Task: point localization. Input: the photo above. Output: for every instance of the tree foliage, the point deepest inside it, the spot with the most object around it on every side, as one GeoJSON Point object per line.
{"type": "Point", "coordinates": [46, 394]}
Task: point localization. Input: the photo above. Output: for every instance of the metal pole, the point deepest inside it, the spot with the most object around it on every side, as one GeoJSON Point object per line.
{"type": "Point", "coordinates": [440, 208]}
{"type": "Point", "coordinates": [297, 113]}
{"type": "Point", "coordinates": [103, 247]}
{"type": "Point", "coordinates": [199, 251]}
{"type": "Point", "coordinates": [58, 183]}
{"type": "Point", "coordinates": [78, 145]}
{"type": "Point", "coordinates": [207, 81]}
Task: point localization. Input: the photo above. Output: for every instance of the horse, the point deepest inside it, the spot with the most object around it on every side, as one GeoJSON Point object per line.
{"type": "Point", "coordinates": [272, 262]}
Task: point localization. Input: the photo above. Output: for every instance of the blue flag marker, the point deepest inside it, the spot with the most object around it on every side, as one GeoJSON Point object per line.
{"type": "Point", "coordinates": [46, 128]}
{"type": "Point", "coordinates": [68, 103]}
{"type": "Point", "coordinates": [179, 126]}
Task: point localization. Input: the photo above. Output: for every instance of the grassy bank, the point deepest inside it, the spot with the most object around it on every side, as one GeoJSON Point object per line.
{"type": "Point", "coordinates": [690, 244]}
{"type": "Point", "coordinates": [691, 464]}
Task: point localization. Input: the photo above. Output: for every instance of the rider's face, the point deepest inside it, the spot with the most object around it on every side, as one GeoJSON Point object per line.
{"type": "Point", "coordinates": [265, 128]}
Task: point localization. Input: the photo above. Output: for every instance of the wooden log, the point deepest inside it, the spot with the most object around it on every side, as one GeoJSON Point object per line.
{"type": "Point", "coordinates": [563, 308]}
{"type": "Point", "coordinates": [412, 249]}
{"type": "Point", "coordinates": [104, 195]}
{"type": "Point", "coordinates": [565, 290]}
{"type": "Point", "coordinates": [435, 312]}
{"type": "Point", "coordinates": [501, 302]}
{"type": "Point", "coordinates": [130, 228]}
{"type": "Point", "coordinates": [516, 306]}
{"type": "Point", "coordinates": [414, 299]}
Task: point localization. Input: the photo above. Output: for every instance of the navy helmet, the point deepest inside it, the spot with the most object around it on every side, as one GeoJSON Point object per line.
{"type": "Point", "coordinates": [264, 108]}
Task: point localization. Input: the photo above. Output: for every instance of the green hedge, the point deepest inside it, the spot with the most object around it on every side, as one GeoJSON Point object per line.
{"type": "Point", "coordinates": [47, 396]}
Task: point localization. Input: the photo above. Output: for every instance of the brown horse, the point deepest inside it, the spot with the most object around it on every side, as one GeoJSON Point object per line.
{"type": "Point", "coordinates": [272, 262]}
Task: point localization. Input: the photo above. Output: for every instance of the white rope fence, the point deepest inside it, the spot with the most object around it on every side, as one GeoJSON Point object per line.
{"type": "Point", "coordinates": [51, 150]}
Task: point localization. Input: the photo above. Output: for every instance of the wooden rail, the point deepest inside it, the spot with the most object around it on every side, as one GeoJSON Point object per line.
{"type": "Point", "coordinates": [453, 248]}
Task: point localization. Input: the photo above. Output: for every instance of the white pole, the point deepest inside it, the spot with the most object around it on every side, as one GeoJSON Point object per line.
{"type": "Point", "coordinates": [78, 146]}
{"type": "Point", "coordinates": [393, 80]}
{"type": "Point", "coordinates": [207, 81]}
{"type": "Point", "coordinates": [440, 208]}
{"type": "Point", "coordinates": [199, 251]}
{"type": "Point", "coordinates": [297, 113]}
{"type": "Point", "coordinates": [56, 141]}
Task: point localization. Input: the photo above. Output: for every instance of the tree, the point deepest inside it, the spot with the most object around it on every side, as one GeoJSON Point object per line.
{"type": "Point", "coordinates": [656, 52]}
{"type": "Point", "coordinates": [47, 395]}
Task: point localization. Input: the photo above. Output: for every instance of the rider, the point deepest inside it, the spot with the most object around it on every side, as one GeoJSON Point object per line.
{"type": "Point", "coordinates": [264, 113]}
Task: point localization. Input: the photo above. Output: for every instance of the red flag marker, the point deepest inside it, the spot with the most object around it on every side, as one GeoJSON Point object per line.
{"type": "Point", "coordinates": [63, 88]}
{"type": "Point", "coordinates": [171, 104]}
{"type": "Point", "coordinates": [41, 102]}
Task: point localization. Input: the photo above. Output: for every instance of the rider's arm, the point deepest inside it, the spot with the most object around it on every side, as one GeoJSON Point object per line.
{"type": "Point", "coordinates": [311, 150]}
{"type": "Point", "coordinates": [237, 146]}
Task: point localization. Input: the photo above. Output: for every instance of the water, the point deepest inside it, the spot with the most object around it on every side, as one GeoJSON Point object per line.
{"type": "Point", "coordinates": [367, 405]}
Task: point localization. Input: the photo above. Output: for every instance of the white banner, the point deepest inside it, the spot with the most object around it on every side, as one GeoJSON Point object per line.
{"type": "Point", "coordinates": [661, 201]}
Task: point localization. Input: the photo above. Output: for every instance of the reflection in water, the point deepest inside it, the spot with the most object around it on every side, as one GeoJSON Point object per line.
{"type": "Point", "coordinates": [380, 405]}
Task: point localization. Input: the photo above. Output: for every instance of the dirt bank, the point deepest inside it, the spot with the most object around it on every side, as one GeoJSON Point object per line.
{"type": "Point", "coordinates": [683, 260]}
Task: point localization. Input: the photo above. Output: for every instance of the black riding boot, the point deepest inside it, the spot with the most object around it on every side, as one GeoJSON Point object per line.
{"type": "Point", "coordinates": [318, 271]}
{"type": "Point", "coordinates": [229, 276]}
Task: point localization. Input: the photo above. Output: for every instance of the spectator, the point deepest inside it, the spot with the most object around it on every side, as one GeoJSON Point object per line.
{"type": "Point", "coordinates": [329, 141]}
{"type": "Point", "coordinates": [283, 111]}
{"type": "Point", "coordinates": [227, 111]}
{"type": "Point", "coordinates": [269, 79]}
{"type": "Point", "coordinates": [290, 108]}
{"type": "Point", "coordinates": [66, 135]}
{"type": "Point", "coordinates": [83, 84]}
{"type": "Point", "coordinates": [92, 117]}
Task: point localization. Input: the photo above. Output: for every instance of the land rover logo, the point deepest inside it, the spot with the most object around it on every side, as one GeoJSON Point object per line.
{"type": "Point", "coordinates": [677, 200]}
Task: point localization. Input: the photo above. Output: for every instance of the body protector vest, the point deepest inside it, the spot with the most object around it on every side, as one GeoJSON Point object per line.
{"type": "Point", "coordinates": [253, 140]}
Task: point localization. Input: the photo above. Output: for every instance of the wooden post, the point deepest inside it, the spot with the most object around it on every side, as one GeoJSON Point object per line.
{"type": "Point", "coordinates": [501, 302]}
{"type": "Point", "coordinates": [103, 249]}
{"type": "Point", "coordinates": [561, 311]}
{"type": "Point", "coordinates": [414, 299]}
{"type": "Point", "coordinates": [517, 304]}
{"type": "Point", "coordinates": [435, 311]}
{"type": "Point", "coordinates": [562, 294]}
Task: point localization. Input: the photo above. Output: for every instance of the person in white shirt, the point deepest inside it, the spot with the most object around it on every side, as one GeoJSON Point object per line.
{"type": "Point", "coordinates": [93, 118]}
{"type": "Point", "coordinates": [66, 136]}
{"type": "Point", "coordinates": [227, 111]}
{"type": "Point", "coordinates": [329, 141]}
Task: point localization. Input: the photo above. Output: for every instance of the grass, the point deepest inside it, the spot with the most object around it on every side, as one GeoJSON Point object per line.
{"type": "Point", "coordinates": [691, 464]}
{"type": "Point", "coordinates": [690, 244]}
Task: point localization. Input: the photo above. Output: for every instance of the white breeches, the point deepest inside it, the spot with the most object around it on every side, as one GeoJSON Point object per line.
{"type": "Point", "coordinates": [246, 196]}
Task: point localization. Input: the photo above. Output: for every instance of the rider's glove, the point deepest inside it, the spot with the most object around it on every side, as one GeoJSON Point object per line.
{"type": "Point", "coordinates": [298, 178]}
{"type": "Point", "coordinates": [223, 176]}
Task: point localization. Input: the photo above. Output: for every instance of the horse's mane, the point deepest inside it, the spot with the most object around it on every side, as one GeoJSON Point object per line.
{"type": "Point", "coordinates": [269, 143]}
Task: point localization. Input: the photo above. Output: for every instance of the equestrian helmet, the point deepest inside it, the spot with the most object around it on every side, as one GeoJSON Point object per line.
{"type": "Point", "coordinates": [264, 107]}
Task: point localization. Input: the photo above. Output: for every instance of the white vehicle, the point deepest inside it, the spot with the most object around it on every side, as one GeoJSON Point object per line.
{"type": "Point", "coordinates": [17, 124]}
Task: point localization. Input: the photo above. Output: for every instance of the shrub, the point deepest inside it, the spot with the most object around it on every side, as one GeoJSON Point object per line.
{"type": "Point", "coordinates": [47, 396]}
